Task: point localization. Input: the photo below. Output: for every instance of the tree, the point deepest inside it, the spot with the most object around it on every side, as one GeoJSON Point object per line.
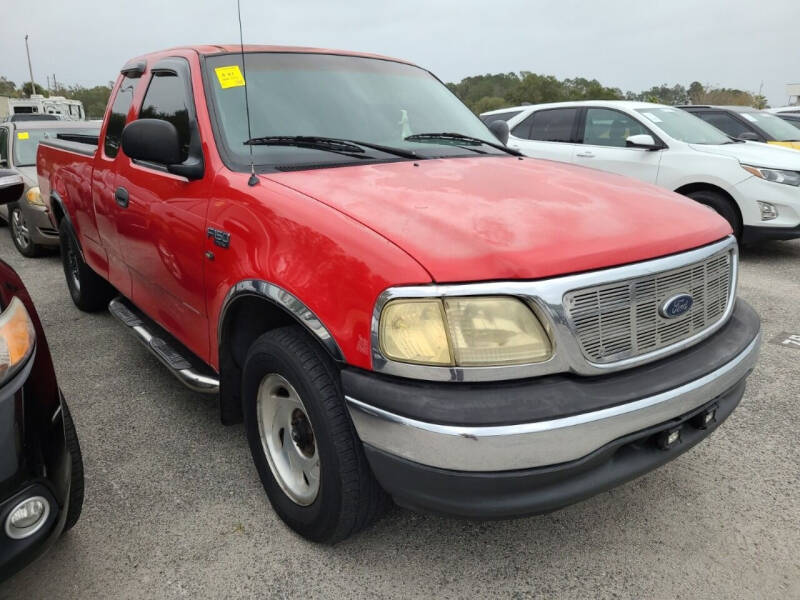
{"type": "Point", "coordinates": [26, 89]}
{"type": "Point", "coordinates": [7, 88]}
{"type": "Point", "coordinates": [488, 103]}
{"type": "Point", "coordinates": [696, 92]}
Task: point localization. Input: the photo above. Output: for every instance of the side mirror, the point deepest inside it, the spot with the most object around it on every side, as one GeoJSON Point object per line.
{"type": "Point", "coordinates": [500, 130]}
{"type": "Point", "coordinates": [152, 140]}
{"type": "Point", "coordinates": [749, 136]}
{"type": "Point", "coordinates": [642, 140]}
{"type": "Point", "coordinates": [11, 186]}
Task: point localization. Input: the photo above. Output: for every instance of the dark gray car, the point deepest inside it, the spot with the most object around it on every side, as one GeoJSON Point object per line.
{"type": "Point", "coordinates": [28, 218]}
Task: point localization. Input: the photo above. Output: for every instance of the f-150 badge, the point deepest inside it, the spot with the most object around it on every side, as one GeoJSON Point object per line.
{"type": "Point", "coordinates": [221, 238]}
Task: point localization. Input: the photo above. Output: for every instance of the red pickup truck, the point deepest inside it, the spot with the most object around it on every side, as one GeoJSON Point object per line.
{"type": "Point", "coordinates": [394, 303]}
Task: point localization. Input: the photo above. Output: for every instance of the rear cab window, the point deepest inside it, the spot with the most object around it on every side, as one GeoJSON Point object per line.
{"type": "Point", "coordinates": [549, 125]}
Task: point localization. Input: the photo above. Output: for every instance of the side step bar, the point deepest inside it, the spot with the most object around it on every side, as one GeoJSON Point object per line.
{"type": "Point", "coordinates": [189, 370]}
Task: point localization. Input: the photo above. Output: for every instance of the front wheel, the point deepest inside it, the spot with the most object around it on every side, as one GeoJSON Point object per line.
{"type": "Point", "coordinates": [21, 234]}
{"type": "Point", "coordinates": [76, 482]}
{"type": "Point", "coordinates": [303, 443]}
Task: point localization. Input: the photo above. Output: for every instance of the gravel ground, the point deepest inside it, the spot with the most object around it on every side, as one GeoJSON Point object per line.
{"type": "Point", "coordinates": [174, 507]}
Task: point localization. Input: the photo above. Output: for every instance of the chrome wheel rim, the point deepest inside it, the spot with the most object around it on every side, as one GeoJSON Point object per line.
{"type": "Point", "coordinates": [287, 439]}
{"type": "Point", "coordinates": [20, 228]}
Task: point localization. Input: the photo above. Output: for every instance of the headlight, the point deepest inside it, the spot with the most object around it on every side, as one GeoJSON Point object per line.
{"type": "Point", "coordinates": [34, 197]}
{"type": "Point", "coordinates": [463, 331]}
{"type": "Point", "coordinates": [17, 339]}
{"type": "Point", "coordinates": [776, 175]}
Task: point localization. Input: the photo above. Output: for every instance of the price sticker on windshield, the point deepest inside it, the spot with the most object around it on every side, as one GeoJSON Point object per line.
{"type": "Point", "coordinates": [22, 135]}
{"type": "Point", "coordinates": [229, 77]}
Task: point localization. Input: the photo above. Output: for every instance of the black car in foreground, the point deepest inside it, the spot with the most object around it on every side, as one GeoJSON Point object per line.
{"type": "Point", "coordinates": [41, 469]}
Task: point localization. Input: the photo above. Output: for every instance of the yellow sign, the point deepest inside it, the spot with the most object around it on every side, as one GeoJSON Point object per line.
{"type": "Point", "coordinates": [22, 135]}
{"type": "Point", "coordinates": [229, 77]}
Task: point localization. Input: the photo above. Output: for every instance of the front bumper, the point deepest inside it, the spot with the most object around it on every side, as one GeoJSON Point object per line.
{"type": "Point", "coordinates": [561, 439]}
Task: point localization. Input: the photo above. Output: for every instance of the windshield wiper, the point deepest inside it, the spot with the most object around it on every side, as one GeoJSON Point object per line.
{"type": "Point", "coordinates": [348, 147]}
{"type": "Point", "coordinates": [421, 137]}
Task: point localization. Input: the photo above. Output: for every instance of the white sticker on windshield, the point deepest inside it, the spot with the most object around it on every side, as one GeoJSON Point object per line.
{"type": "Point", "coordinates": [667, 110]}
{"type": "Point", "coordinates": [652, 117]}
{"type": "Point", "coordinates": [750, 118]}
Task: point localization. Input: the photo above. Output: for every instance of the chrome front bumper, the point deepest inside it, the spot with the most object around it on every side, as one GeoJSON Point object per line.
{"type": "Point", "coordinates": [541, 443]}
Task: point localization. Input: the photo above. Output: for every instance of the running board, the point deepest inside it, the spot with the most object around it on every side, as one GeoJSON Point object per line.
{"type": "Point", "coordinates": [181, 363]}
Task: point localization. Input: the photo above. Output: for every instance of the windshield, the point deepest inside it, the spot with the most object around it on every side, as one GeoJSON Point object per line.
{"type": "Point", "coordinates": [26, 141]}
{"type": "Point", "coordinates": [776, 128]}
{"type": "Point", "coordinates": [683, 126]}
{"type": "Point", "coordinates": [343, 97]}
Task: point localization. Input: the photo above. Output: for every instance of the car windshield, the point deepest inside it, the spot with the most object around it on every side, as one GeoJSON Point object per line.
{"type": "Point", "coordinates": [776, 128]}
{"type": "Point", "coordinates": [683, 126]}
{"type": "Point", "coordinates": [352, 98]}
{"type": "Point", "coordinates": [27, 140]}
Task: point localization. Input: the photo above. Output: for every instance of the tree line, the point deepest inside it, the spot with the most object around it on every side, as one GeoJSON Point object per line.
{"type": "Point", "coordinates": [490, 92]}
{"type": "Point", "coordinates": [479, 92]}
{"type": "Point", "coordinates": [94, 99]}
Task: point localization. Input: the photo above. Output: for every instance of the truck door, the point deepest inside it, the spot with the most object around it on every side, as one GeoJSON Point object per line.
{"type": "Point", "coordinates": [604, 133]}
{"type": "Point", "coordinates": [161, 222]}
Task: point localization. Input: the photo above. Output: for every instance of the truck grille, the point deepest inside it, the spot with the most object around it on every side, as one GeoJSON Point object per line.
{"type": "Point", "coordinates": [621, 320]}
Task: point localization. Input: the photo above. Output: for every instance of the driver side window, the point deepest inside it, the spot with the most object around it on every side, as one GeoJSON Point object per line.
{"type": "Point", "coordinates": [605, 127]}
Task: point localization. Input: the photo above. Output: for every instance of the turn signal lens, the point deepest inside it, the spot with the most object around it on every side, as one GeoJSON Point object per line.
{"type": "Point", "coordinates": [495, 331]}
{"type": "Point", "coordinates": [414, 331]}
{"type": "Point", "coordinates": [463, 331]}
{"type": "Point", "coordinates": [34, 196]}
{"type": "Point", "coordinates": [17, 338]}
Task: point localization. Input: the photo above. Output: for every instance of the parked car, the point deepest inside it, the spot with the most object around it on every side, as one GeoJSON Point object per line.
{"type": "Point", "coordinates": [41, 469]}
{"type": "Point", "coordinates": [746, 123]}
{"type": "Point", "coordinates": [31, 117]}
{"type": "Point", "coordinates": [29, 224]}
{"type": "Point", "coordinates": [754, 186]}
{"type": "Point", "coordinates": [791, 117]}
{"type": "Point", "coordinates": [394, 302]}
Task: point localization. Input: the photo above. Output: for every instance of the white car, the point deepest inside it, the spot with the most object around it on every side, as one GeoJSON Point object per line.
{"type": "Point", "coordinates": [756, 187]}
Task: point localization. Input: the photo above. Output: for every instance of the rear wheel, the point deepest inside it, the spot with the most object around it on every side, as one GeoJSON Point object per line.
{"type": "Point", "coordinates": [723, 205]}
{"type": "Point", "coordinates": [76, 483]}
{"type": "Point", "coordinates": [303, 443]}
{"type": "Point", "coordinates": [21, 233]}
{"type": "Point", "coordinates": [88, 290]}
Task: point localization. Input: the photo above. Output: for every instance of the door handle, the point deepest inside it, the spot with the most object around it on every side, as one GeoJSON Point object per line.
{"type": "Point", "coordinates": [585, 154]}
{"type": "Point", "coordinates": [121, 197]}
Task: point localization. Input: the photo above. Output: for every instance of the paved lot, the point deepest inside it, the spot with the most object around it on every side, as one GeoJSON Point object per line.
{"type": "Point", "coordinates": [174, 507]}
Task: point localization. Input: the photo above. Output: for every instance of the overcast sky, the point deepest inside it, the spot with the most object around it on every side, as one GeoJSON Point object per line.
{"type": "Point", "coordinates": [629, 44]}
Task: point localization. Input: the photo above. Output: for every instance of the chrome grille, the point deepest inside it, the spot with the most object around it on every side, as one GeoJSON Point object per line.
{"type": "Point", "coordinates": [621, 320]}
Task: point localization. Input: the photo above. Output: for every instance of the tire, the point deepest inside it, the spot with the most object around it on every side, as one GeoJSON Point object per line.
{"type": "Point", "coordinates": [20, 233]}
{"type": "Point", "coordinates": [722, 205]}
{"type": "Point", "coordinates": [348, 498]}
{"type": "Point", "coordinates": [76, 482]}
{"type": "Point", "coordinates": [88, 290]}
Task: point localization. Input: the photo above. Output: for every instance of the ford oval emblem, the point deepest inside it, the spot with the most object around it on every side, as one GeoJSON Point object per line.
{"type": "Point", "coordinates": [674, 307]}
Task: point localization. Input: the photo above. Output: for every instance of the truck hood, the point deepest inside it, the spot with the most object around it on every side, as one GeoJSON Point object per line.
{"type": "Point", "coordinates": [756, 154]}
{"type": "Point", "coordinates": [484, 218]}
{"type": "Point", "coordinates": [29, 175]}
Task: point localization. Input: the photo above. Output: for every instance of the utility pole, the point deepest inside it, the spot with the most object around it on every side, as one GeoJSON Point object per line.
{"type": "Point", "coordinates": [30, 69]}
{"type": "Point", "coordinates": [55, 84]}
{"type": "Point", "coordinates": [48, 83]}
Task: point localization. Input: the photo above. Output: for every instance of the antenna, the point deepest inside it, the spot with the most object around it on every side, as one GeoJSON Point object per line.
{"type": "Point", "coordinates": [253, 179]}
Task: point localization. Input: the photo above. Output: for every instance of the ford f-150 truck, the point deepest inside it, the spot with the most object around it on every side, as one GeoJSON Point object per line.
{"type": "Point", "coordinates": [394, 303]}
